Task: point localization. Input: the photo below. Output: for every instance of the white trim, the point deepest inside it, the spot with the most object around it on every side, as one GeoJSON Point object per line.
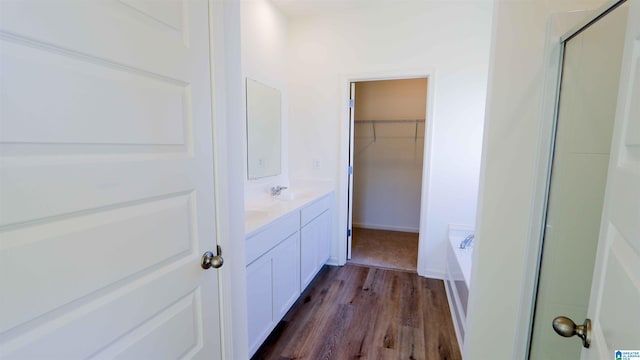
{"type": "Point", "coordinates": [333, 261]}
{"type": "Point", "coordinates": [553, 56]}
{"type": "Point", "coordinates": [226, 92]}
{"type": "Point", "coordinates": [342, 189]}
{"type": "Point", "coordinates": [597, 337]}
{"type": "Point", "coordinates": [386, 227]}
{"type": "Point", "coordinates": [434, 274]}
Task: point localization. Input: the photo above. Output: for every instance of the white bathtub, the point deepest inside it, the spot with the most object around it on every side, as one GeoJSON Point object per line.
{"type": "Point", "coordinates": [458, 278]}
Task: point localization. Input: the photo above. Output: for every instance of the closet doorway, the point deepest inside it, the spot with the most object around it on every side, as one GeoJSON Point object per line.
{"type": "Point", "coordinates": [387, 151]}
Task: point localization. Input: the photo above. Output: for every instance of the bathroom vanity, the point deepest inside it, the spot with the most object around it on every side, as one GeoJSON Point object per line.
{"type": "Point", "coordinates": [288, 240]}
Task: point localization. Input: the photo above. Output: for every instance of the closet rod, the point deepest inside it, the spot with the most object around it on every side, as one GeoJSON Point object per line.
{"type": "Point", "coordinates": [388, 121]}
{"type": "Point", "coordinates": [374, 122]}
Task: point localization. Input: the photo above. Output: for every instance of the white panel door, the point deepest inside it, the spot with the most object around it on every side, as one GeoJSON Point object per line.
{"type": "Point", "coordinates": [614, 306]}
{"type": "Point", "coordinates": [352, 128]}
{"type": "Point", "coordinates": [106, 180]}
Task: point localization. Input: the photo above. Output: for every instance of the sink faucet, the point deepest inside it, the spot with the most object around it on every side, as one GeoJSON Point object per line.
{"type": "Point", "coordinates": [276, 190]}
{"type": "Point", "coordinates": [467, 242]}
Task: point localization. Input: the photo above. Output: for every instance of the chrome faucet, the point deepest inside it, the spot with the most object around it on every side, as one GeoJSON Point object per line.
{"type": "Point", "coordinates": [276, 190]}
{"type": "Point", "coordinates": [467, 242]}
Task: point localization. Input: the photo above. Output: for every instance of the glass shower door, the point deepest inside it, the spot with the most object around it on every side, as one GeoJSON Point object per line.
{"type": "Point", "coordinates": [586, 112]}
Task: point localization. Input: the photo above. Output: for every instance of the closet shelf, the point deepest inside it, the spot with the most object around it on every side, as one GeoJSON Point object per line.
{"type": "Point", "coordinates": [374, 122]}
{"type": "Point", "coordinates": [389, 121]}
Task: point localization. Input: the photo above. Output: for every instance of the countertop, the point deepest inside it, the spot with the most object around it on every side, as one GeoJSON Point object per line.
{"type": "Point", "coordinates": [263, 210]}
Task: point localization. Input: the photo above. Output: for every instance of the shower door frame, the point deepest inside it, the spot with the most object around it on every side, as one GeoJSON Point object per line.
{"type": "Point", "coordinates": [562, 27]}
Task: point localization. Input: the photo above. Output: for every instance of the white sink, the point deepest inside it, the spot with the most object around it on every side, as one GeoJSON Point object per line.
{"type": "Point", "coordinates": [262, 209]}
{"type": "Point", "coordinates": [289, 195]}
{"type": "Point", "coordinates": [255, 214]}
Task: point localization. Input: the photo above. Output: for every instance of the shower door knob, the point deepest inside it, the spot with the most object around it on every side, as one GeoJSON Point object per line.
{"type": "Point", "coordinates": [567, 328]}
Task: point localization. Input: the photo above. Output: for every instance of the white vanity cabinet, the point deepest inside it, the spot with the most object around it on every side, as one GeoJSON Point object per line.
{"type": "Point", "coordinates": [273, 276]}
{"type": "Point", "coordinates": [282, 257]}
{"type": "Point", "coordinates": [315, 235]}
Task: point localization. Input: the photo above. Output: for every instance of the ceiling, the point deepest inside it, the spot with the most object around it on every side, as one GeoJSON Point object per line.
{"type": "Point", "coordinates": [296, 8]}
{"type": "Point", "coordinates": [300, 8]}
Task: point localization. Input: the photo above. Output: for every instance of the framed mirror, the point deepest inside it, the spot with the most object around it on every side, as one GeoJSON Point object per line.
{"type": "Point", "coordinates": [263, 130]}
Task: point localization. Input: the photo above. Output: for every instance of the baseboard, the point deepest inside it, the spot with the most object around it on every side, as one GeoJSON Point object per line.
{"type": "Point", "coordinates": [334, 262]}
{"type": "Point", "coordinates": [433, 274]}
{"type": "Point", "coordinates": [386, 227]}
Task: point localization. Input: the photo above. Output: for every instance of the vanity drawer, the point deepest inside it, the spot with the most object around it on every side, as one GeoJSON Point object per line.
{"type": "Point", "coordinates": [263, 241]}
{"type": "Point", "coordinates": [314, 209]}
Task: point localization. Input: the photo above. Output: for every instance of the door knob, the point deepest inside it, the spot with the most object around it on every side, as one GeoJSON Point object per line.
{"type": "Point", "coordinates": [209, 260]}
{"type": "Point", "coordinates": [567, 328]}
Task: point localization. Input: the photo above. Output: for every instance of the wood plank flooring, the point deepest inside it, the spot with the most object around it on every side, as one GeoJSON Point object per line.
{"type": "Point", "coordinates": [357, 312]}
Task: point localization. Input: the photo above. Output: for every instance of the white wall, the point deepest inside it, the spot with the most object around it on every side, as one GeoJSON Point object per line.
{"type": "Point", "coordinates": [449, 38]}
{"type": "Point", "coordinates": [404, 99]}
{"type": "Point", "coordinates": [500, 291]}
{"type": "Point", "coordinates": [387, 172]}
{"type": "Point", "coordinates": [264, 58]}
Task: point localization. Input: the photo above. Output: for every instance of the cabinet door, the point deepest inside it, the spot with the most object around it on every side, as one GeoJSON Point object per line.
{"type": "Point", "coordinates": [309, 236]}
{"type": "Point", "coordinates": [315, 246]}
{"type": "Point", "coordinates": [259, 301]}
{"type": "Point", "coordinates": [286, 275]}
{"type": "Point", "coordinates": [324, 238]}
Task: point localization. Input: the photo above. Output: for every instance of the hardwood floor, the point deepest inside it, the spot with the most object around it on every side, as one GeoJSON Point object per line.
{"type": "Point", "coordinates": [357, 312]}
{"type": "Point", "coordinates": [384, 248]}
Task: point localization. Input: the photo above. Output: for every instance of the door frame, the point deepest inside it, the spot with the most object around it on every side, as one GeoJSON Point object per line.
{"type": "Point", "coordinates": [345, 144]}
{"type": "Point", "coordinates": [227, 92]}
{"type": "Point", "coordinates": [561, 27]}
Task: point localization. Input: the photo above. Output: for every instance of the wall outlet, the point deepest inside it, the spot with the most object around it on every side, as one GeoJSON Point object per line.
{"type": "Point", "coordinates": [316, 163]}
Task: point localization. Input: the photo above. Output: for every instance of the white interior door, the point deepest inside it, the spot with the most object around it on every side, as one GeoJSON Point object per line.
{"type": "Point", "coordinates": [106, 180]}
{"type": "Point", "coordinates": [352, 109]}
{"type": "Point", "coordinates": [614, 306]}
